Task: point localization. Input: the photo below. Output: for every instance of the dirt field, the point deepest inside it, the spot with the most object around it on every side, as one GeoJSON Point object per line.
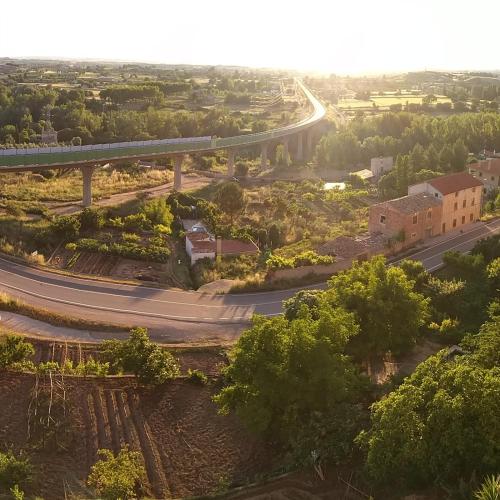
{"type": "Point", "coordinates": [95, 264]}
{"type": "Point", "coordinates": [188, 449]}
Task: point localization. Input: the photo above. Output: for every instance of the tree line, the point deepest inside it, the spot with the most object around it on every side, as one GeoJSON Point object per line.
{"type": "Point", "coordinates": [25, 112]}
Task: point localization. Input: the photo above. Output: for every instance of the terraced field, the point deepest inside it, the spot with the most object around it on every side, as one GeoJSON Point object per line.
{"type": "Point", "coordinates": [187, 448]}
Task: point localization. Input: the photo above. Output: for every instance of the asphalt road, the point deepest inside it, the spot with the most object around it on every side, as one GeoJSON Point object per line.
{"type": "Point", "coordinates": [191, 313]}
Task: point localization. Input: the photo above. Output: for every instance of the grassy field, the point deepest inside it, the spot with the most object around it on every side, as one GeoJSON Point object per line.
{"type": "Point", "coordinates": [386, 100]}
{"type": "Point", "coordinates": [69, 187]}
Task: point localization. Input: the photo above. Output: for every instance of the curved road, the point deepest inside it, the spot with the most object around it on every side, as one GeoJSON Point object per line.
{"type": "Point", "coordinates": [159, 309]}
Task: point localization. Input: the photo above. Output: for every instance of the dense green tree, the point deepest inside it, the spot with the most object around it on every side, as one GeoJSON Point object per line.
{"type": "Point", "coordinates": [442, 423]}
{"type": "Point", "coordinates": [158, 211]}
{"type": "Point", "coordinates": [291, 380]}
{"type": "Point", "coordinates": [138, 355]}
{"type": "Point", "coordinates": [91, 220]}
{"type": "Point", "coordinates": [308, 298]}
{"type": "Point", "coordinates": [230, 198]}
{"type": "Point", "coordinates": [386, 305]}
{"type": "Point", "coordinates": [14, 470]}
{"type": "Point", "coordinates": [117, 478]}
{"type": "Point", "coordinates": [65, 227]}
{"type": "Point", "coordinates": [14, 349]}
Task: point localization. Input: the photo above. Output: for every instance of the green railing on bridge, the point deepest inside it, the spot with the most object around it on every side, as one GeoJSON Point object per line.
{"type": "Point", "coordinates": [108, 152]}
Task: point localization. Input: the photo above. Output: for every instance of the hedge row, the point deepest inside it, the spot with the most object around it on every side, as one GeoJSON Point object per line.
{"type": "Point", "coordinates": [128, 250]}
{"type": "Point", "coordinates": [307, 258]}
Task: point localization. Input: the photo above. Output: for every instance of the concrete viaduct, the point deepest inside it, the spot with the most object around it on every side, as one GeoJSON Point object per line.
{"type": "Point", "coordinates": [87, 158]}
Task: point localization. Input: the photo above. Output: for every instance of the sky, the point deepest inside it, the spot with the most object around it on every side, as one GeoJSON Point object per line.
{"type": "Point", "coordinates": [342, 37]}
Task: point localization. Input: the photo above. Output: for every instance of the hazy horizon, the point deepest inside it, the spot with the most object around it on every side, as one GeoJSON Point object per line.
{"type": "Point", "coordinates": [344, 38]}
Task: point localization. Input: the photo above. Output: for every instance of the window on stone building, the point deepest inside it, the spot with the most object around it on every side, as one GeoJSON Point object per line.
{"type": "Point", "coordinates": [415, 219]}
{"type": "Point", "coordinates": [464, 203]}
{"type": "Point", "coordinates": [463, 219]}
{"type": "Point", "coordinates": [454, 222]}
{"type": "Point", "coordinates": [382, 219]}
{"type": "Point", "coordinates": [471, 217]}
{"type": "Point", "coordinates": [455, 206]}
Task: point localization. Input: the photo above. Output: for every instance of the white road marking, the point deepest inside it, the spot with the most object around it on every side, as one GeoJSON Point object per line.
{"type": "Point", "coordinates": [127, 311]}
{"type": "Point", "coordinates": [69, 287]}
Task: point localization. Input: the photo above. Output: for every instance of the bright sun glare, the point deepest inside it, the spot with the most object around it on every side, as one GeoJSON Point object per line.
{"type": "Point", "coordinates": [330, 36]}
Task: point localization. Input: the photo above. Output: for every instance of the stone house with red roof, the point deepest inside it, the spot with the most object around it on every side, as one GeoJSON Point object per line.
{"type": "Point", "coordinates": [201, 244]}
{"type": "Point", "coordinates": [433, 207]}
{"type": "Point", "coordinates": [461, 196]}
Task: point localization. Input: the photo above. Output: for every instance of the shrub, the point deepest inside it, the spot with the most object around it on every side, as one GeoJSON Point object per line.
{"type": "Point", "coordinates": [116, 222]}
{"type": "Point", "coordinates": [13, 470]}
{"type": "Point", "coordinates": [88, 244]}
{"type": "Point", "coordinates": [14, 349]}
{"type": "Point", "coordinates": [241, 169]}
{"type": "Point", "coordinates": [66, 227]}
{"type": "Point", "coordinates": [489, 490]}
{"type": "Point", "coordinates": [161, 229]}
{"type": "Point", "coordinates": [131, 237]}
{"type": "Point", "coordinates": [138, 355]}
{"type": "Point", "coordinates": [117, 477]}
{"type": "Point", "coordinates": [136, 222]}
{"type": "Point", "coordinates": [307, 258]}
{"type": "Point", "coordinates": [90, 220]}
{"type": "Point", "coordinates": [157, 211]}
{"type": "Point", "coordinates": [71, 247]}
{"type": "Point", "coordinates": [197, 376]}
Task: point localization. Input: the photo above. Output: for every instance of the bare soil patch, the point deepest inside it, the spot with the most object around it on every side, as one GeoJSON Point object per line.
{"type": "Point", "coordinates": [186, 446]}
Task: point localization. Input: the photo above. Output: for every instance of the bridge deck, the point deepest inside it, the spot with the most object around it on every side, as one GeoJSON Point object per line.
{"type": "Point", "coordinates": [25, 161]}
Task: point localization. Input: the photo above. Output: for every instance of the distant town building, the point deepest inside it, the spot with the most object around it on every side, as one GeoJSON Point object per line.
{"type": "Point", "coordinates": [433, 207]}
{"type": "Point", "coordinates": [488, 172]}
{"type": "Point", "coordinates": [364, 174]}
{"type": "Point", "coordinates": [381, 165]}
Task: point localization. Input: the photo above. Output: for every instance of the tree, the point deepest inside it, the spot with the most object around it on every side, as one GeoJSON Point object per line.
{"type": "Point", "coordinates": [291, 380]}
{"type": "Point", "coordinates": [158, 211]}
{"type": "Point", "coordinates": [387, 307]}
{"type": "Point", "coordinates": [460, 155]}
{"type": "Point", "coordinates": [117, 478]}
{"type": "Point", "coordinates": [275, 236]}
{"type": "Point", "coordinates": [90, 220]}
{"type": "Point", "coordinates": [66, 227]}
{"type": "Point", "coordinates": [138, 355]}
{"type": "Point", "coordinates": [231, 198]}
{"type": "Point", "coordinates": [14, 349]}
{"type": "Point", "coordinates": [304, 298]}
{"type": "Point", "coordinates": [441, 424]}
{"type": "Point", "coordinates": [241, 169]}
{"type": "Point", "coordinates": [13, 471]}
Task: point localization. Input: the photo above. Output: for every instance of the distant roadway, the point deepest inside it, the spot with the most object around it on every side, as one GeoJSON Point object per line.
{"type": "Point", "coordinates": [195, 314]}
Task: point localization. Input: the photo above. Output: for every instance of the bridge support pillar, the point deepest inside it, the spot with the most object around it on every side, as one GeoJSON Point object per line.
{"type": "Point", "coordinates": [178, 172]}
{"type": "Point", "coordinates": [309, 141]}
{"type": "Point", "coordinates": [87, 172]}
{"type": "Point", "coordinates": [263, 155]}
{"type": "Point", "coordinates": [231, 153]}
{"type": "Point", "coordinates": [286, 150]}
{"type": "Point", "coordinates": [300, 151]}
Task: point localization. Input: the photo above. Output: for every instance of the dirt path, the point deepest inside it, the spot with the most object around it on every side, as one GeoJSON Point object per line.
{"type": "Point", "coordinates": [189, 182]}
